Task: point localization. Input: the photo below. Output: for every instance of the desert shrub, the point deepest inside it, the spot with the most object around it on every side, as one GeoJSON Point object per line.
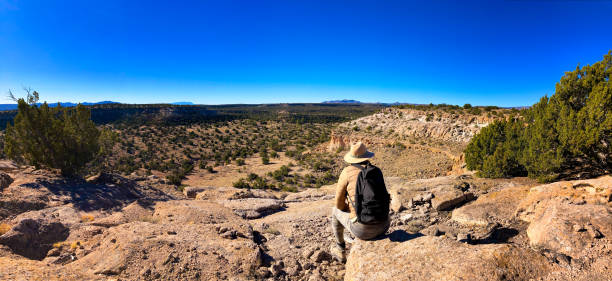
{"type": "Point", "coordinates": [565, 135]}
{"type": "Point", "coordinates": [288, 188]}
{"type": "Point", "coordinates": [260, 183]}
{"type": "Point", "coordinates": [475, 111]}
{"type": "Point", "coordinates": [240, 162]}
{"type": "Point", "coordinates": [51, 137]}
{"type": "Point", "coordinates": [252, 176]}
{"type": "Point", "coordinates": [241, 183]}
{"type": "Point", "coordinates": [429, 117]}
{"type": "Point", "coordinates": [175, 178]}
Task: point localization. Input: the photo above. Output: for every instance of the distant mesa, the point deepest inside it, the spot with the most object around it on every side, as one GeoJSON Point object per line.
{"type": "Point", "coordinates": [183, 103]}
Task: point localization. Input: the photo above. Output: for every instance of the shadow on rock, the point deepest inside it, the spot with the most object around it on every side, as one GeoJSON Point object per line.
{"type": "Point", "coordinates": [499, 235]}
{"type": "Point", "coordinates": [400, 236]}
{"type": "Point", "coordinates": [107, 191]}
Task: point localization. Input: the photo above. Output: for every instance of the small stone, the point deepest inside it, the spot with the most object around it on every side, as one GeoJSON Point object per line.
{"type": "Point", "coordinates": [307, 253]}
{"type": "Point", "coordinates": [54, 252]}
{"type": "Point", "coordinates": [432, 231]}
{"type": "Point", "coordinates": [593, 232]}
{"type": "Point", "coordinates": [407, 217]}
{"type": "Point", "coordinates": [263, 272]}
{"type": "Point", "coordinates": [320, 256]}
{"type": "Point", "coordinates": [578, 228]}
{"type": "Point", "coordinates": [276, 268]}
{"type": "Point", "coordinates": [464, 237]}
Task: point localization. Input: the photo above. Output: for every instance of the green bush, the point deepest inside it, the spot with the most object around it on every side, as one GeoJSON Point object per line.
{"type": "Point", "coordinates": [566, 135]}
{"type": "Point", "coordinates": [52, 137]}
{"type": "Point", "coordinates": [241, 183]}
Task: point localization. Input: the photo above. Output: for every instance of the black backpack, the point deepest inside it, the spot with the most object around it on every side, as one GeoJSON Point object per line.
{"type": "Point", "coordinates": [371, 196]}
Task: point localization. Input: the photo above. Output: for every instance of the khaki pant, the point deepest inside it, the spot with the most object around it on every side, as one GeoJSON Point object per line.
{"type": "Point", "coordinates": [341, 220]}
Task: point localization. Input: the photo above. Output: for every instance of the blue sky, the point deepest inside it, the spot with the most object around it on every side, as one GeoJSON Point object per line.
{"type": "Point", "coordinates": [506, 53]}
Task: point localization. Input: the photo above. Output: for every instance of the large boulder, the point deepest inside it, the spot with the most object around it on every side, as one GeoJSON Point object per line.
{"type": "Point", "coordinates": [443, 193]}
{"type": "Point", "coordinates": [192, 191]}
{"type": "Point", "coordinates": [407, 257]}
{"type": "Point", "coordinates": [35, 232]}
{"type": "Point", "coordinates": [184, 240]}
{"type": "Point", "coordinates": [32, 238]}
{"type": "Point", "coordinates": [5, 180]}
{"type": "Point", "coordinates": [448, 197]}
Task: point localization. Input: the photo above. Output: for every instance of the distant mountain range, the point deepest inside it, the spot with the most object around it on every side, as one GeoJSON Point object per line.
{"type": "Point", "coordinates": [342, 101]}
{"type": "Point", "coordinates": [13, 106]}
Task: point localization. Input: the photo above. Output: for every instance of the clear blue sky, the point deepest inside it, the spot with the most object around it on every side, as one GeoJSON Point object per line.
{"type": "Point", "coordinates": [506, 53]}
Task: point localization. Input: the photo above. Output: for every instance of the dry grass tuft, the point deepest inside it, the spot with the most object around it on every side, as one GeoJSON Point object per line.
{"type": "Point", "coordinates": [87, 218]}
{"type": "Point", "coordinates": [4, 228]}
{"type": "Point", "coordinates": [74, 245]}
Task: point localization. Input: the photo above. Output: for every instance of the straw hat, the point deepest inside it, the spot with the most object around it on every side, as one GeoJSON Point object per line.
{"type": "Point", "coordinates": [358, 153]}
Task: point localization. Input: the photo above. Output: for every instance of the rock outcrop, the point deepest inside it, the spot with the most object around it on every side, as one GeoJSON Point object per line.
{"type": "Point", "coordinates": [185, 240]}
{"type": "Point", "coordinates": [569, 217]}
{"type": "Point", "coordinates": [436, 125]}
{"type": "Point", "coordinates": [125, 231]}
{"type": "Point", "coordinates": [252, 208]}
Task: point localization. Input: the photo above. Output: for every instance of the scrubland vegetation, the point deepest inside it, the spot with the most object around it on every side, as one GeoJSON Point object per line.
{"type": "Point", "coordinates": [175, 140]}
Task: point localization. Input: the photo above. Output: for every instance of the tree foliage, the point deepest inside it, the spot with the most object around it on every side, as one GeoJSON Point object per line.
{"type": "Point", "coordinates": [566, 135]}
{"type": "Point", "coordinates": [51, 137]}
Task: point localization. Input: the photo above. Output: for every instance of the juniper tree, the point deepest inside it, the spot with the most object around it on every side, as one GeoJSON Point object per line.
{"type": "Point", "coordinates": [568, 134]}
{"type": "Point", "coordinates": [51, 137]}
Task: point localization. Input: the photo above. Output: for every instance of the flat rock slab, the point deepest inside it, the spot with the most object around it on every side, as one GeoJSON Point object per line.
{"type": "Point", "coordinates": [310, 195]}
{"type": "Point", "coordinates": [252, 208]}
{"type": "Point", "coordinates": [439, 258]}
{"type": "Point", "coordinates": [498, 206]}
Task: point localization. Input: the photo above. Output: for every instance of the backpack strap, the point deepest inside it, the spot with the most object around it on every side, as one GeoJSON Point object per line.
{"type": "Point", "coordinates": [357, 165]}
{"type": "Point", "coordinates": [350, 201]}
